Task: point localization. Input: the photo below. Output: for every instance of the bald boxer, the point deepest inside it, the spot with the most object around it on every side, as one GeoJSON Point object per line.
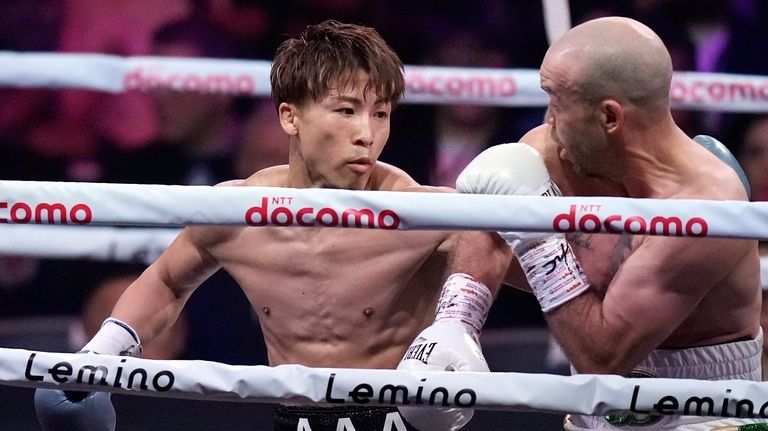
{"type": "Point", "coordinates": [327, 297]}
{"type": "Point", "coordinates": [676, 307]}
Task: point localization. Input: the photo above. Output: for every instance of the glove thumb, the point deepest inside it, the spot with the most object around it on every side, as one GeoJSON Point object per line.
{"type": "Point", "coordinates": [56, 412]}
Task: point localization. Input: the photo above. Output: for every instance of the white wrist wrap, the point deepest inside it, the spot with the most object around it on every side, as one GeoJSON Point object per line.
{"type": "Point", "coordinates": [464, 299]}
{"type": "Point", "coordinates": [553, 272]}
{"type": "Point", "coordinates": [115, 338]}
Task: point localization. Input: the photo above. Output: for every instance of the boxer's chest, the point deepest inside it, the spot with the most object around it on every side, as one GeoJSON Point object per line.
{"type": "Point", "coordinates": [323, 254]}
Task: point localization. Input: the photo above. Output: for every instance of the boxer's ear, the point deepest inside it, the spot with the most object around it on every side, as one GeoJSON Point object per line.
{"type": "Point", "coordinates": [287, 114]}
{"type": "Point", "coordinates": [613, 116]}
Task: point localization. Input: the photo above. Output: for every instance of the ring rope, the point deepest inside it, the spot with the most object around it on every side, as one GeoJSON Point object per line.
{"type": "Point", "coordinates": [100, 243]}
{"type": "Point", "coordinates": [557, 18]}
{"type": "Point", "coordinates": [125, 245]}
{"type": "Point", "coordinates": [424, 84]}
{"type": "Point", "coordinates": [211, 381]}
{"type": "Point", "coordinates": [98, 204]}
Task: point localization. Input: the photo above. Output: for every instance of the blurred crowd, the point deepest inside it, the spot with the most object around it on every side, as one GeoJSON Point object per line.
{"type": "Point", "coordinates": [167, 137]}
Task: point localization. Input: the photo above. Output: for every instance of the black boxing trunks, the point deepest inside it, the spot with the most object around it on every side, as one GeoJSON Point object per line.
{"type": "Point", "coordinates": [362, 418]}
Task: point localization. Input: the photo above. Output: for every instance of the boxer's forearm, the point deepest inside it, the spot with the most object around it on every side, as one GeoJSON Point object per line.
{"type": "Point", "coordinates": [153, 302]}
{"type": "Point", "coordinates": [483, 255]}
{"type": "Point", "coordinates": [593, 342]}
{"type": "Point", "coordinates": [150, 306]}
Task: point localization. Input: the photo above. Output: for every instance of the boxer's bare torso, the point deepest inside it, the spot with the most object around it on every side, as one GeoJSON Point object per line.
{"type": "Point", "coordinates": [324, 296]}
{"type": "Point", "coordinates": [728, 305]}
{"type": "Point", "coordinates": [334, 296]}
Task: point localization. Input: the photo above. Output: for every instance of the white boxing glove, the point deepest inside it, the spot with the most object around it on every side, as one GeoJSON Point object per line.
{"type": "Point", "coordinates": [451, 343]}
{"type": "Point", "coordinates": [60, 410]}
{"type": "Point", "coordinates": [552, 270]}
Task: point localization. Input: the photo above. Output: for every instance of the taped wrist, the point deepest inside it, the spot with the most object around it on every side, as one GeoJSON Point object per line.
{"type": "Point", "coordinates": [465, 300]}
{"type": "Point", "coordinates": [115, 338]}
{"type": "Point", "coordinates": [553, 272]}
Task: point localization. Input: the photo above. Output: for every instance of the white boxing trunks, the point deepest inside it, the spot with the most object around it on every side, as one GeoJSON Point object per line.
{"type": "Point", "coordinates": [737, 360]}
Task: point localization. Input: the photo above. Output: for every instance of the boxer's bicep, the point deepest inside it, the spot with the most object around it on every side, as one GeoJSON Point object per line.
{"type": "Point", "coordinates": [658, 287]}
{"type": "Point", "coordinates": [187, 263]}
{"type": "Point", "coordinates": [154, 301]}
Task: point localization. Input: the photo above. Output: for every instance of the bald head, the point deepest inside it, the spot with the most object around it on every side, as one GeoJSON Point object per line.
{"type": "Point", "coordinates": [616, 58]}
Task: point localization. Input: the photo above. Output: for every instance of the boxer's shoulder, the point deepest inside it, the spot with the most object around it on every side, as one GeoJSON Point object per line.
{"type": "Point", "coordinates": [274, 176]}
{"type": "Point", "coordinates": [387, 177]}
{"type": "Point", "coordinates": [539, 138]}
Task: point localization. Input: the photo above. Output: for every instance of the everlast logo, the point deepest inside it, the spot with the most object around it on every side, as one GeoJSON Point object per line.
{"type": "Point", "coordinates": [420, 352]}
{"type": "Point", "coordinates": [658, 225]}
{"type": "Point", "coordinates": [261, 215]}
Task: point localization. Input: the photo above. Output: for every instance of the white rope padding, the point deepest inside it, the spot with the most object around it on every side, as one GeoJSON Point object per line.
{"type": "Point", "coordinates": [434, 85]}
{"type": "Point", "coordinates": [557, 18]}
{"type": "Point", "coordinates": [39, 202]}
{"type": "Point", "coordinates": [127, 245]}
{"type": "Point", "coordinates": [764, 272]}
{"type": "Point", "coordinates": [210, 381]}
{"type": "Point", "coordinates": [101, 243]}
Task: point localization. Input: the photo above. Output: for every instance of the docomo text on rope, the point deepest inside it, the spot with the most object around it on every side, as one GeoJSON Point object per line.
{"type": "Point", "coordinates": [424, 84]}
{"type": "Point", "coordinates": [101, 204]}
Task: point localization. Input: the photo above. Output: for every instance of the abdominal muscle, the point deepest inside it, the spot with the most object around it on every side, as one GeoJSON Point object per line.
{"type": "Point", "coordinates": [337, 297]}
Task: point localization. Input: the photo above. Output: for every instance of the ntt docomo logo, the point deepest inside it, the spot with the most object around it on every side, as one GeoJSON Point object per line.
{"type": "Point", "coordinates": [262, 215]}
{"type": "Point", "coordinates": [45, 213]}
{"type": "Point", "coordinates": [590, 222]}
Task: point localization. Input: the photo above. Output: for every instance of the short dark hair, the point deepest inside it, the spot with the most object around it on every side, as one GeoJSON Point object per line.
{"type": "Point", "coordinates": [328, 55]}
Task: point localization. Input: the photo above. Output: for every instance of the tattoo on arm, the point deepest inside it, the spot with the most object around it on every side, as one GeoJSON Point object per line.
{"type": "Point", "coordinates": [622, 250]}
{"type": "Point", "coordinates": [583, 245]}
{"type": "Point", "coordinates": [580, 240]}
